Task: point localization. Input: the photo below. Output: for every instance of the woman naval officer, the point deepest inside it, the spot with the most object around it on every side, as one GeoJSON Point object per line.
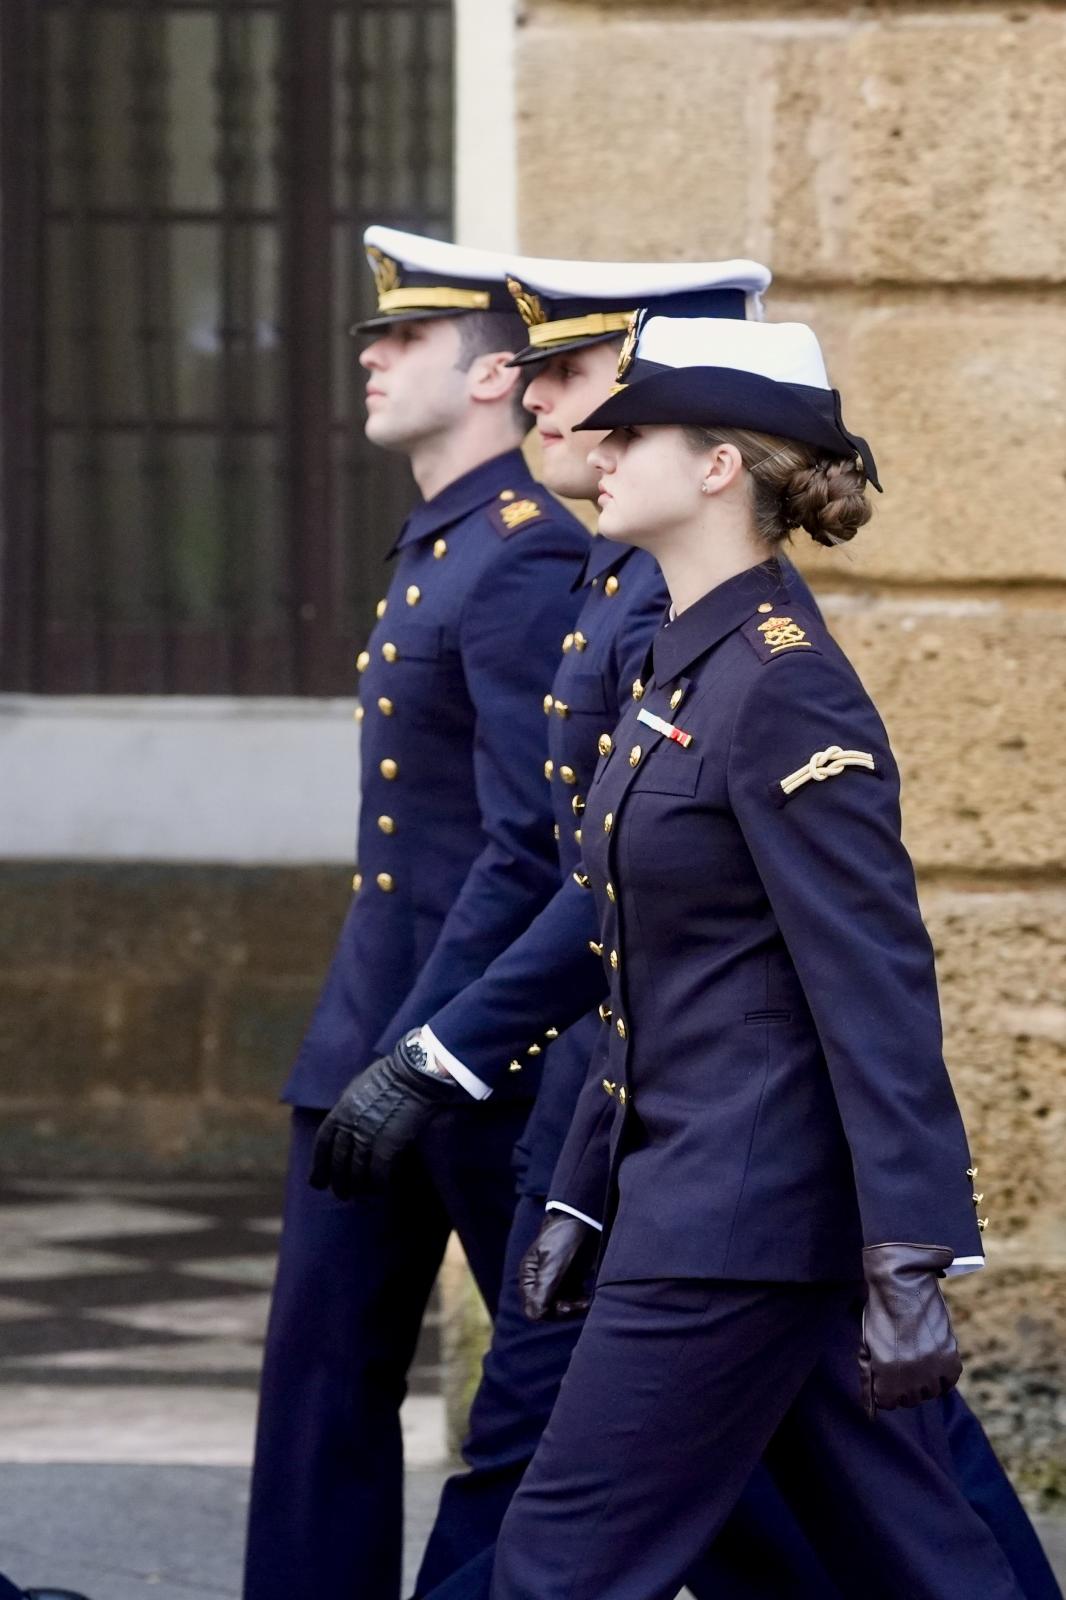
{"type": "Point", "coordinates": [786, 1140]}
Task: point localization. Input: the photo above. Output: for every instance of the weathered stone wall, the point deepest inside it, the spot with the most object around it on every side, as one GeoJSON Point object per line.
{"type": "Point", "coordinates": [902, 168]}
{"type": "Point", "coordinates": [148, 1014]}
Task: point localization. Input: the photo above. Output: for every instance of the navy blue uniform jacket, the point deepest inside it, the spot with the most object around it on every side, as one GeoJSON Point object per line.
{"type": "Point", "coordinates": [775, 1060]}
{"type": "Point", "coordinates": [456, 852]}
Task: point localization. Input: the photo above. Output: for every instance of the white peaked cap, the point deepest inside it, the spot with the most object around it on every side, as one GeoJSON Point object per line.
{"type": "Point", "coordinates": [787, 352]}
{"type": "Point", "coordinates": [421, 254]}
{"type": "Point", "coordinates": [636, 282]}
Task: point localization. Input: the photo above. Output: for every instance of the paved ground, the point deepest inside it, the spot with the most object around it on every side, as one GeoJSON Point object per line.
{"type": "Point", "coordinates": [131, 1325]}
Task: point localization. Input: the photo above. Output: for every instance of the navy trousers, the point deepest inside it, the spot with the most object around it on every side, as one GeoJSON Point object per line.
{"type": "Point", "coordinates": [760, 1554]}
{"type": "Point", "coordinates": [674, 1393]}
{"type": "Point", "coordinates": [326, 1515]}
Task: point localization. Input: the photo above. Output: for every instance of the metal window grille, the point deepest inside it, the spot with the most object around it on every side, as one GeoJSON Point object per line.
{"type": "Point", "coordinates": [189, 505]}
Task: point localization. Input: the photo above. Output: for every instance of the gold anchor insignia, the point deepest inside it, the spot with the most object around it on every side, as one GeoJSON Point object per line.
{"type": "Point", "coordinates": [530, 306]}
{"type": "Point", "coordinates": [629, 347]}
{"type": "Point", "coordinates": [520, 511]}
{"type": "Point", "coordinates": [781, 633]}
{"type": "Point", "coordinates": [828, 763]}
{"type": "Point", "coordinates": [386, 271]}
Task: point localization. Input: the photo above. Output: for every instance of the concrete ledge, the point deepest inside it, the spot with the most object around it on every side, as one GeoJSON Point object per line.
{"type": "Point", "coordinates": [155, 778]}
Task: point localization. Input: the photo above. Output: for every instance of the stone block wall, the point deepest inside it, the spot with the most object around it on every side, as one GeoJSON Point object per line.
{"type": "Point", "coordinates": [148, 1014]}
{"type": "Point", "coordinates": [901, 167]}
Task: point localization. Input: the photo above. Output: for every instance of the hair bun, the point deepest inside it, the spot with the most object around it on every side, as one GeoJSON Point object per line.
{"type": "Point", "coordinates": [828, 499]}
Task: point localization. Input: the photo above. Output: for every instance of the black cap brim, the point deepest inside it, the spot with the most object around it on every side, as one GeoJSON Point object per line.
{"type": "Point", "coordinates": [724, 397]}
{"type": "Point", "coordinates": [534, 353]}
{"type": "Point", "coordinates": [379, 324]}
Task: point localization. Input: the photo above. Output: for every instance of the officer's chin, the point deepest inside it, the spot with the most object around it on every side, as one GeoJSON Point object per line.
{"type": "Point", "coordinates": [612, 526]}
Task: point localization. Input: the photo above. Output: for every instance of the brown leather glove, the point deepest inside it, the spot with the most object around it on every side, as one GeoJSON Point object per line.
{"type": "Point", "coordinates": [908, 1352]}
{"type": "Point", "coordinates": [555, 1272]}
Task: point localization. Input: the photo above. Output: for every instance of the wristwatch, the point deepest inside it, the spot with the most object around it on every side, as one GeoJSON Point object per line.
{"type": "Point", "coordinates": [418, 1058]}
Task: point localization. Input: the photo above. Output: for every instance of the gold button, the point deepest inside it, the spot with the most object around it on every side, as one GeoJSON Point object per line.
{"type": "Point", "coordinates": [577, 805]}
{"type": "Point", "coordinates": [440, 549]}
{"type": "Point", "coordinates": [357, 882]}
{"type": "Point", "coordinates": [568, 774]}
{"type": "Point", "coordinates": [390, 652]}
{"type": "Point", "coordinates": [608, 1085]}
{"type": "Point", "coordinates": [971, 1172]}
{"type": "Point", "coordinates": [556, 835]}
{"type": "Point", "coordinates": [577, 835]}
{"type": "Point", "coordinates": [414, 594]}
{"type": "Point", "coordinates": [635, 755]}
{"type": "Point", "coordinates": [613, 959]}
{"type": "Point", "coordinates": [622, 1096]}
{"type": "Point", "coordinates": [385, 882]}
{"type": "Point", "coordinates": [676, 699]}
{"type": "Point", "coordinates": [608, 822]}
{"type": "Point", "coordinates": [582, 879]}
{"type": "Point", "coordinates": [385, 706]}
{"type": "Point", "coordinates": [982, 1223]}
{"type": "Point", "coordinates": [387, 824]}
{"type": "Point", "coordinates": [561, 708]}
{"type": "Point", "coordinates": [597, 949]}
{"type": "Point", "coordinates": [506, 494]}
{"type": "Point", "coordinates": [358, 713]}
{"type": "Point", "coordinates": [534, 1050]}
{"type": "Point", "coordinates": [389, 768]}
{"type": "Point", "coordinates": [612, 585]}
{"type": "Point", "coordinates": [549, 701]}
{"type": "Point", "coordinates": [551, 1033]}
{"type": "Point", "coordinates": [605, 1011]}
{"type": "Point", "coordinates": [514, 1066]}
{"type": "Point", "coordinates": [638, 689]}
{"type": "Point", "coordinates": [605, 744]}
{"type": "Point", "coordinates": [362, 660]}
{"type": "Point", "coordinates": [568, 642]}
{"type": "Point", "coordinates": [579, 641]}
{"type": "Point", "coordinates": [620, 1028]}
{"type": "Point", "coordinates": [977, 1198]}
{"type": "Point", "coordinates": [765, 607]}
{"type": "Point", "coordinates": [381, 608]}
{"type": "Point", "coordinates": [549, 768]}
{"type": "Point", "coordinates": [609, 892]}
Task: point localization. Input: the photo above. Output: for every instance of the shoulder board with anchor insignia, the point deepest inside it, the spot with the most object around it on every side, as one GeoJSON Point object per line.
{"type": "Point", "coordinates": [510, 514]}
{"type": "Point", "coordinates": [778, 634]}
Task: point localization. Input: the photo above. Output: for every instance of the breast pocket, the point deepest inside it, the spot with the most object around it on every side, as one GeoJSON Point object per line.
{"type": "Point", "coordinates": [583, 693]}
{"type": "Point", "coordinates": [420, 675]}
{"type": "Point", "coordinates": [667, 769]}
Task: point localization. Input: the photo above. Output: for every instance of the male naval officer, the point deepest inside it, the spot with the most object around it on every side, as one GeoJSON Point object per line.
{"type": "Point", "coordinates": [455, 856]}
{"type": "Point", "coordinates": [576, 314]}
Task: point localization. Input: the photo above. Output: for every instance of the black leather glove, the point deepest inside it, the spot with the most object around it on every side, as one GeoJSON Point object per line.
{"type": "Point", "coordinates": [908, 1352]}
{"type": "Point", "coordinates": [555, 1272]}
{"type": "Point", "coordinates": [376, 1117]}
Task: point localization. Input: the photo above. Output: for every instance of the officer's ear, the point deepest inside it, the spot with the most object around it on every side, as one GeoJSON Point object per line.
{"type": "Point", "coordinates": [721, 465]}
{"type": "Point", "coordinates": [489, 378]}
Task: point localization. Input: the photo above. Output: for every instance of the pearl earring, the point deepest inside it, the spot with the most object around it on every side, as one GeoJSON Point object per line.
{"type": "Point", "coordinates": [705, 487]}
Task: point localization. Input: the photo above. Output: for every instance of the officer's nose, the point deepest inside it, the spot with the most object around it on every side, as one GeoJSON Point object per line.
{"type": "Point", "coordinates": [602, 457]}
{"type": "Point", "coordinates": [372, 359]}
{"type": "Point", "coordinates": [535, 400]}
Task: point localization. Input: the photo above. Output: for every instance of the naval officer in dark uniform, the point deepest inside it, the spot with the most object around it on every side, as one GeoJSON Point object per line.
{"type": "Point", "coordinates": [785, 1143]}
{"type": "Point", "coordinates": [456, 855]}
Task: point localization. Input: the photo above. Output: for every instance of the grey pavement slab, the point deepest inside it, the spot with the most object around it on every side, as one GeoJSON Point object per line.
{"type": "Point", "coordinates": [148, 1533]}
{"type": "Point", "coordinates": [177, 1533]}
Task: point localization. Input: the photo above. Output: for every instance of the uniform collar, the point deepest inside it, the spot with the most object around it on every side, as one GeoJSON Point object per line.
{"type": "Point", "coordinates": [724, 609]}
{"type": "Point", "coordinates": [466, 494]}
{"type": "Point", "coordinates": [604, 556]}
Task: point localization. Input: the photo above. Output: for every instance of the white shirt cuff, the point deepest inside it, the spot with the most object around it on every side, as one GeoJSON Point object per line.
{"type": "Point", "coordinates": [964, 1264]}
{"type": "Point", "coordinates": [462, 1075]}
{"type": "Point", "coordinates": [559, 1205]}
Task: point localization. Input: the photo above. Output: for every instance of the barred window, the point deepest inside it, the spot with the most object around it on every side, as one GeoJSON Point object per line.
{"type": "Point", "coordinates": [189, 505]}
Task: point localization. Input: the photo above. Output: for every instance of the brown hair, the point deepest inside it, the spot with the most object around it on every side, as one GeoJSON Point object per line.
{"type": "Point", "coordinates": [795, 485]}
